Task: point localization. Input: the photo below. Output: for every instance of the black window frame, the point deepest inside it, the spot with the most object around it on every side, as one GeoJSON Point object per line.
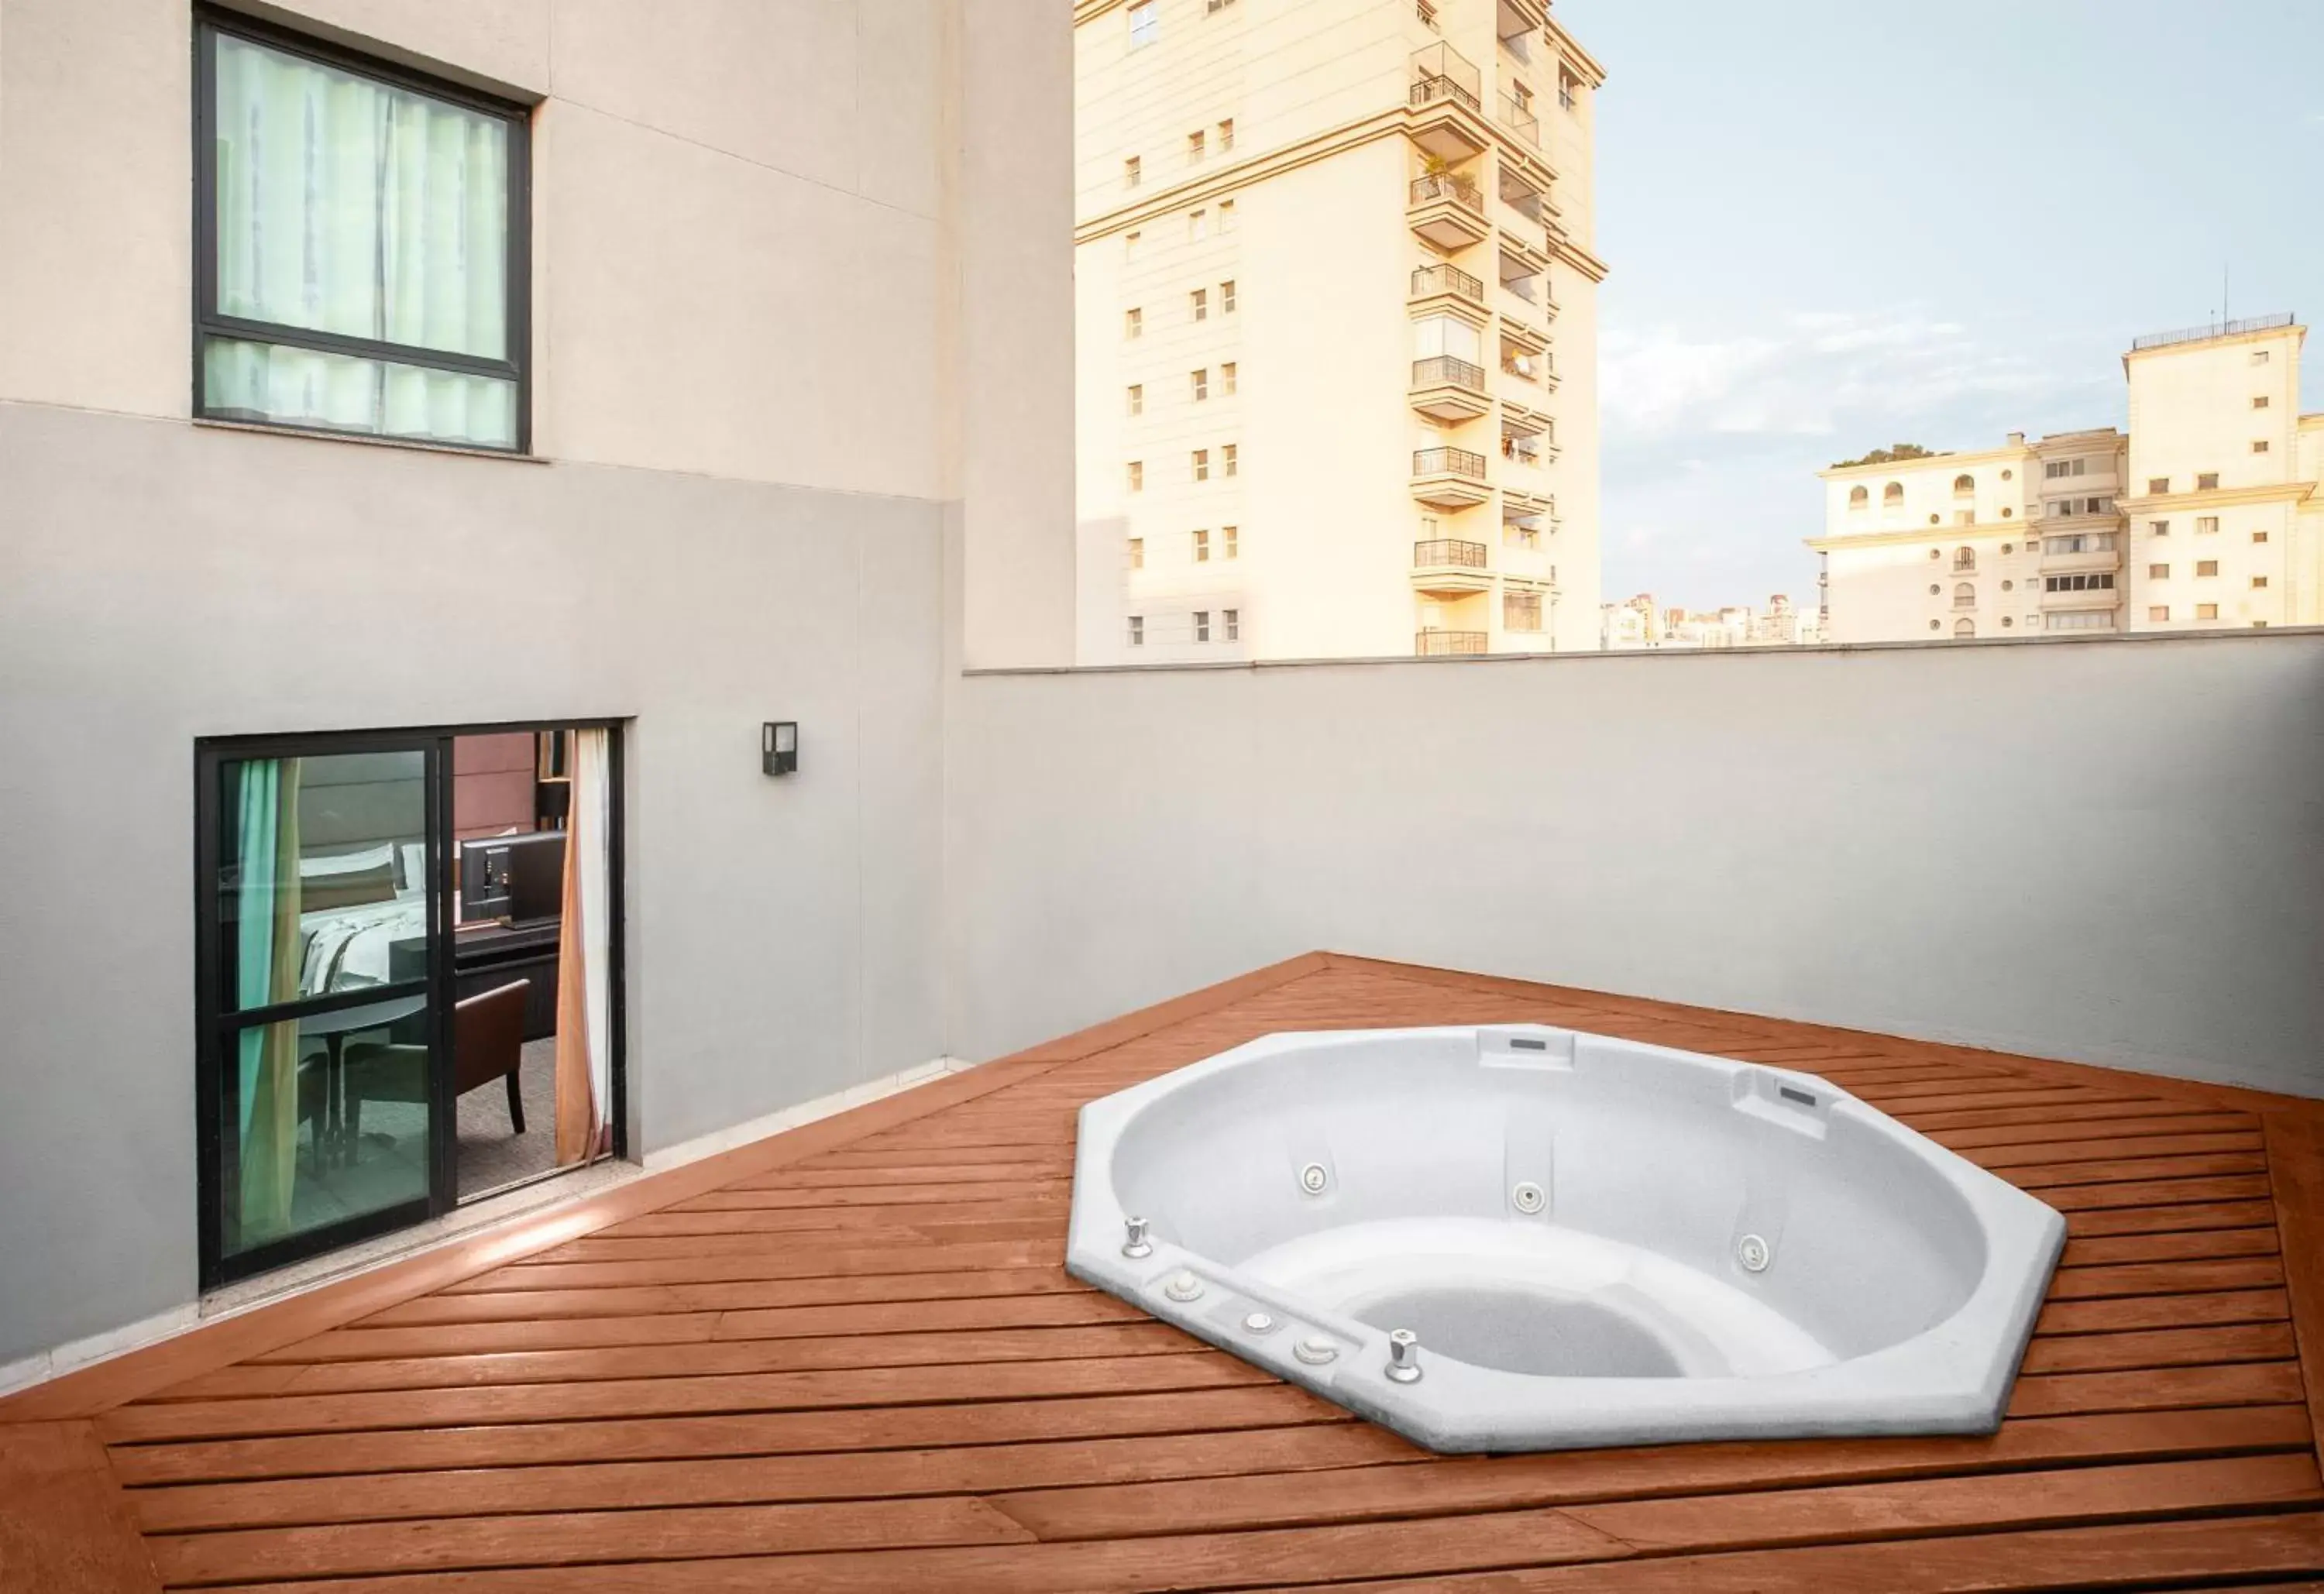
{"type": "Point", "coordinates": [516, 365]}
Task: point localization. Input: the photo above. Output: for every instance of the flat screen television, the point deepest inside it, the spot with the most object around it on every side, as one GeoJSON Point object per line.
{"type": "Point", "coordinates": [518, 877]}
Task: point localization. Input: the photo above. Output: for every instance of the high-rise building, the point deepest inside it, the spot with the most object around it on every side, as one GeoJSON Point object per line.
{"type": "Point", "coordinates": [2205, 513]}
{"type": "Point", "coordinates": [1337, 329]}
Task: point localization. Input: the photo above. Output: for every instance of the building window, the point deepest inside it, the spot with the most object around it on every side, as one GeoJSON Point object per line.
{"type": "Point", "coordinates": [2009, 586]}
{"type": "Point", "coordinates": [2081, 620]}
{"type": "Point", "coordinates": [313, 168]}
{"type": "Point", "coordinates": [1936, 553]}
{"type": "Point", "coordinates": [1228, 455]}
{"type": "Point", "coordinates": [1138, 397]}
{"type": "Point", "coordinates": [2158, 612]}
{"type": "Point", "coordinates": [1202, 465]}
{"type": "Point", "coordinates": [1965, 484]}
{"type": "Point", "coordinates": [1132, 171]}
{"type": "Point", "coordinates": [1964, 627]}
{"type": "Point", "coordinates": [2158, 573]}
{"type": "Point", "coordinates": [1137, 553]}
{"type": "Point", "coordinates": [1227, 378]}
{"type": "Point", "coordinates": [2064, 467]}
{"type": "Point", "coordinates": [1935, 590]}
{"type": "Point", "coordinates": [1202, 625]}
{"type": "Point", "coordinates": [2259, 356]}
{"type": "Point", "coordinates": [2006, 621]}
{"type": "Point", "coordinates": [2207, 566]}
{"type": "Point", "coordinates": [2207, 525]}
{"type": "Point", "coordinates": [1145, 24]}
{"type": "Point", "coordinates": [2082, 581]}
{"type": "Point", "coordinates": [1138, 476]}
{"type": "Point", "coordinates": [2005, 549]}
{"type": "Point", "coordinates": [2259, 537]}
{"type": "Point", "coordinates": [1133, 322]}
{"type": "Point", "coordinates": [2158, 528]}
{"type": "Point", "coordinates": [1199, 382]}
{"type": "Point", "coordinates": [2080, 542]}
{"type": "Point", "coordinates": [1226, 134]}
{"type": "Point", "coordinates": [2260, 445]}
{"type": "Point", "coordinates": [1893, 494]}
{"type": "Point", "coordinates": [1212, 7]}
{"type": "Point", "coordinates": [1232, 620]}
{"type": "Point", "coordinates": [2261, 401]}
{"type": "Point", "coordinates": [1129, 242]}
{"type": "Point", "coordinates": [1227, 298]}
{"type": "Point", "coordinates": [1964, 596]}
{"type": "Point", "coordinates": [1567, 83]}
{"type": "Point", "coordinates": [1965, 558]}
{"type": "Point", "coordinates": [1138, 631]}
{"type": "Point", "coordinates": [1936, 625]}
{"type": "Point", "coordinates": [2157, 485]}
{"type": "Point", "coordinates": [1198, 225]}
{"type": "Point", "coordinates": [1230, 537]}
{"type": "Point", "coordinates": [2206, 611]}
{"type": "Point", "coordinates": [1202, 547]}
{"type": "Point", "coordinates": [1858, 498]}
{"type": "Point", "coordinates": [2258, 582]}
{"type": "Point", "coordinates": [1226, 215]}
{"type": "Point", "coordinates": [1520, 611]}
{"type": "Point", "coordinates": [1198, 304]}
{"type": "Point", "coordinates": [1193, 146]}
{"type": "Point", "coordinates": [2208, 481]}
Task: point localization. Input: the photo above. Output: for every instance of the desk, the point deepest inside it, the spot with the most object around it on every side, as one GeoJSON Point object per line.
{"type": "Point", "coordinates": [487, 956]}
{"type": "Point", "coordinates": [334, 1144]}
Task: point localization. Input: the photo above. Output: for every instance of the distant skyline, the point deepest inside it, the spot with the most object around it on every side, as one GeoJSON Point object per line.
{"type": "Point", "coordinates": [1834, 225]}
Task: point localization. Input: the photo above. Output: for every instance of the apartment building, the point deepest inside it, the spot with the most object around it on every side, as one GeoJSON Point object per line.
{"type": "Point", "coordinates": [1336, 303]}
{"type": "Point", "coordinates": [1635, 623]}
{"type": "Point", "coordinates": [2204, 513]}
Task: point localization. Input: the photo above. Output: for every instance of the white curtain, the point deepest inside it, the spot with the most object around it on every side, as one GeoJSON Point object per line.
{"type": "Point", "coordinates": [349, 205]}
{"type": "Point", "coordinates": [585, 1055]}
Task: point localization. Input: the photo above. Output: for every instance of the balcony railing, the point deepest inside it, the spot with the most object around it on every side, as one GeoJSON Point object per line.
{"type": "Point", "coordinates": [2155, 340]}
{"type": "Point", "coordinates": [1446, 277]}
{"type": "Point", "coordinates": [1520, 121]}
{"type": "Point", "coordinates": [1448, 550]}
{"type": "Point", "coordinates": [1448, 462]}
{"type": "Point", "coordinates": [1448, 185]}
{"type": "Point", "coordinates": [1441, 370]}
{"type": "Point", "coordinates": [1433, 643]}
{"type": "Point", "coordinates": [1440, 72]}
{"type": "Point", "coordinates": [1427, 90]}
{"type": "Point", "coordinates": [1968, 603]}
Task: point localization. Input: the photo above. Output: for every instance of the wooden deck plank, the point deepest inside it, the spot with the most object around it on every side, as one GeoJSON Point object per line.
{"type": "Point", "coordinates": [65, 1526]}
{"type": "Point", "coordinates": [849, 1357]}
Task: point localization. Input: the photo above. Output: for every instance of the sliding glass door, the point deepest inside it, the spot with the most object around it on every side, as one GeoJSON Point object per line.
{"type": "Point", "coordinates": [324, 950]}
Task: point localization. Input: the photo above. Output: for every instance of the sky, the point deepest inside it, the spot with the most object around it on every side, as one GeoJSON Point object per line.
{"type": "Point", "coordinates": [1834, 224]}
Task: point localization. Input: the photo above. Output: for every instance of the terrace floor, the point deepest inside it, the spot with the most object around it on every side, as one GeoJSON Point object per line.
{"type": "Point", "coordinates": [848, 1358]}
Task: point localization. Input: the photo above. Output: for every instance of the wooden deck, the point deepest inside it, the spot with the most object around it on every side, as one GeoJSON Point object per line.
{"type": "Point", "coordinates": [849, 1358]}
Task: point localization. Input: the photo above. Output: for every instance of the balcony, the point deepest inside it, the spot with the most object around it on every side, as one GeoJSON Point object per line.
{"type": "Point", "coordinates": [1446, 208]}
{"type": "Point", "coordinates": [2085, 597]}
{"type": "Point", "coordinates": [1513, 18]}
{"type": "Point", "coordinates": [1520, 121]}
{"type": "Point", "coordinates": [1448, 568]}
{"type": "Point", "coordinates": [1449, 478]}
{"type": "Point", "coordinates": [1447, 112]}
{"type": "Point", "coordinates": [1446, 280]}
{"type": "Point", "coordinates": [1444, 644]}
{"type": "Point", "coordinates": [1449, 389]}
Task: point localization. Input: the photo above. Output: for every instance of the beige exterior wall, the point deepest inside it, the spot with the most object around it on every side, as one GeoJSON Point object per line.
{"type": "Point", "coordinates": [1308, 216]}
{"type": "Point", "coordinates": [2209, 513]}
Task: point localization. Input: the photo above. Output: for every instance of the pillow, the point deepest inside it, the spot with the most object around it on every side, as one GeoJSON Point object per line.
{"type": "Point", "coordinates": [382, 856]}
{"type": "Point", "coordinates": [414, 855]}
{"type": "Point", "coordinates": [347, 880]}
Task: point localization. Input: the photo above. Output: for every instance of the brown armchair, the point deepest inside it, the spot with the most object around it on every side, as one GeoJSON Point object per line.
{"type": "Point", "coordinates": [487, 1044]}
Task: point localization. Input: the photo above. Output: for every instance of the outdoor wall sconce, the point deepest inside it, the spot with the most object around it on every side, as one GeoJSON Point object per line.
{"type": "Point", "coordinates": [779, 746]}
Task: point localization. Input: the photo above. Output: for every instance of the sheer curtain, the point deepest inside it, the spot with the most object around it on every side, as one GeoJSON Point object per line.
{"type": "Point", "coordinates": [353, 207]}
{"type": "Point", "coordinates": [585, 1057]}
{"type": "Point", "coordinates": [266, 970]}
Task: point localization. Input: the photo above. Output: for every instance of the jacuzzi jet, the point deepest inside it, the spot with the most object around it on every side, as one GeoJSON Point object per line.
{"type": "Point", "coordinates": [1404, 1356]}
{"type": "Point", "coordinates": [1753, 1253]}
{"type": "Point", "coordinates": [1315, 1350]}
{"type": "Point", "coordinates": [1137, 1245]}
{"type": "Point", "coordinates": [1184, 1288]}
{"type": "Point", "coordinates": [1313, 1179]}
{"type": "Point", "coordinates": [1529, 1198]}
{"type": "Point", "coordinates": [1258, 1322]}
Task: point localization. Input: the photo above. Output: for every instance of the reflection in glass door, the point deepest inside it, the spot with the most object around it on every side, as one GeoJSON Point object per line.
{"type": "Point", "coordinates": [322, 936]}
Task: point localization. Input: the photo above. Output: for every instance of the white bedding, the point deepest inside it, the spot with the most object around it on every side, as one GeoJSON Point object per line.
{"type": "Point", "coordinates": [346, 947]}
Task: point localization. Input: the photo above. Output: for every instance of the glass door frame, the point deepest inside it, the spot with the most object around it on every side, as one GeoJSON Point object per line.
{"type": "Point", "coordinates": [215, 1025]}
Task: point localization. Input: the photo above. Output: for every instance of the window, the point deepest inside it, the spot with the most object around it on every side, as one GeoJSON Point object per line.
{"type": "Point", "coordinates": [2261, 401]}
{"type": "Point", "coordinates": [2007, 548]}
{"type": "Point", "coordinates": [1138, 631]}
{"type": "Point", "coordinates": [314, 167]}
{"type": "Point", "coordinates": [1132, 171]}
{"type": "Point", "coordinates": [1964, 595]}
{"type": "Point", "coordinates": [1202, 625]}
{"type": "Point", "coordinates": [1226, 134]}
{"type": "Point", "coordinates": [2081, 581]}
{"type": "Point", "coordinates": [1520, 611]}
{"type": "Point", "coordinates": [1198, 304]}
{"type": "Point", "coordinates": [1965, 558]}
{"type": "Point", "coordinates": [1202, 465]}
{"type": "Point", "coordinates": [2158, 573]}
{"type": "Point", "coordinates": [1226, 215]}
{"type": "Point", "coordinates": [1193, 146]}
{"type": "Point", "coordinates": [1133, 322]}
{"type": "Point", "coordinates": [2259, 356]}
{"type": "Point", "coordinates": [2158, 612]}
{"type": "Point", "coordinates": [1202, 547]}
{"type": "Point", "coordinates": [1516, 535]}
{"type": "Point", "coordinates": [2064, 467]}
{"type": "Point", "coordinates": [1566, 85]}
{"type": "Point", "coordinates": [2258, 582]}
{"type": "Point", "coordinates": [1137, 553]}
{"type": "Point", "coordinates": [2206, 611]}
{"type": "Point", "coordinates": [2208, 481]}
{"type": "Point", "coordinates": [2080, 542]}
{"type": "Point", "coordinates": [1964, 627]}
{"type": "Point", "coordinates": [2081, 620]}
{"type": "Point", "coordinates": [1227, 378]}
{"type": "Point", "coordinates": [1145, 24]}
{"type": "Point", "coordinates": [1892, 493]}
{"type": "Point", "coordinates": [1232, 620]}
{"type": "Point", "coordinates": [2207, 566]}
{"type": "Point", "coordinates": [1199, 384]}
{"type": "Point", "coordinates": [2207, 525]}
{"type": "Point", "coordinates": [2158, 528]}
{"type": "Point", "coordinates": [1227, 457]}
{"type": "Point", "coordinates": [2259, 537]}
{"type": "Point", "coordinates": [2260, 445]}
{"type": "Point", "coordinates": [2009, 586]}
{"type": "Point", "coordinates": [1198, 225]}
{"type": "Point", "coordinates": [1227, 298]}
{"type": "Point", "coordinates": [1138, 397]}
{"type": "Point", "coordinates": [1212, 7]}
{"type": "Point", "coordinates": [1138, 476]}
{"type": "Point", "coordinates": [1231, 538]}
{"type": "Point", "coordinates": [2158, 484]}
{"type": "Point", "coordinates": [1859, 497]}
{"type": "Point", "coordinates": [1963, 485]}
{"type": "Point", "coordinates": [1129, 242]}
{"type": "Point", "coordinates": [1965, 517]}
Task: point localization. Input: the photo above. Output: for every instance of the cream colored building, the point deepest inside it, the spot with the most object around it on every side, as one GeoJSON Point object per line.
{"type": "Point", "coordinates": [1337, 308]}
{"type": "Point", "coordinates": [2205, 513]}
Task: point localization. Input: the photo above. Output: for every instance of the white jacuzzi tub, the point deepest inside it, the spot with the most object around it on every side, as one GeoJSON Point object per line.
{"type": "Point", "coordinates": [1589, 1241]}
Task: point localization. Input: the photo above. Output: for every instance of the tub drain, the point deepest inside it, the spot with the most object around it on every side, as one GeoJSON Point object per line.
{"type": "Point", "coordinates": [1313, 1179]}
{"type": "Point", "coordinates": [1753, 1253]}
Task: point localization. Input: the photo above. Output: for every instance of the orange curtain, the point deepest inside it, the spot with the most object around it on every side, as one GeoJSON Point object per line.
{"type": "Point", "coordinates": [583, 1059]}
{"type": "Point", "coordinates": [577, 1110]}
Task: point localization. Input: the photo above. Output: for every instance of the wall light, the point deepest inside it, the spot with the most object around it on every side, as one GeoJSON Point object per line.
{"type": "Point", "coordinates": [779, 746]}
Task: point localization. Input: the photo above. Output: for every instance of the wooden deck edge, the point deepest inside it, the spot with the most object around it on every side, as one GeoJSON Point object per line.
{"type": "Point", "coordinates": [65, 1524]}
{"type": "Point", "coordinates": [87, 1391]}
{"type": "Point", "coordinates": [2295, 1172]}
{"type": "Point", "coordinates": [2231, 1098]}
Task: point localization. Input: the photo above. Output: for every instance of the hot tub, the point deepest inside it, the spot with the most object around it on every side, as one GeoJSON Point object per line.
{"type": "Point", "coordinates": [1518, 1238]}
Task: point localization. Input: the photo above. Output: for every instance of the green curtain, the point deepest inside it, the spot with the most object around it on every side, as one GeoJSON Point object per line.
{"type": "Point", "coordinates": [266, 970]}
{"type": "Point", "coordinates": [350, 206]}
